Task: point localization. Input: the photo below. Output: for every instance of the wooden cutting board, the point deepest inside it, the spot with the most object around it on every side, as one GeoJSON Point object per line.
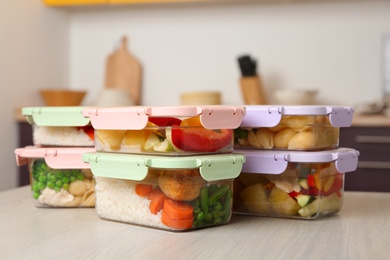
{"type": "Point", "coordinates": [123, 71]}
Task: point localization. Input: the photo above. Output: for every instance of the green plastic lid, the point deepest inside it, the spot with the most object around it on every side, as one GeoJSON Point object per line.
{"type": "Point", "coordinates": [135, 167]}
{"type": "Point", "coordinates": [55, 116]}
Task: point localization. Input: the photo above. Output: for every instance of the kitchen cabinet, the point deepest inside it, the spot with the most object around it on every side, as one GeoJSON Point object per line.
{"type": "Point", "coordinates": [99, 2]}
{"type": "Point", "coordinates": [74, 2]}
{"type": "Point", "coordinates": [25, 139]}
{"type": "Point", "coordinates": [373, 143]}
{"type": "Point", "coordinates": [112, 2]}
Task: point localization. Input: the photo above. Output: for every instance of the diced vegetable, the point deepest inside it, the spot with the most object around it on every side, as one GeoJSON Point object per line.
{"type": "Point", "coordinates": [320, 205]}
{"type": "Point", "coordinates": [303, 200]}
{"type": "Point", "coordinates": [143, 189]}
{"type": "Point", "coordinates": [165, 121]}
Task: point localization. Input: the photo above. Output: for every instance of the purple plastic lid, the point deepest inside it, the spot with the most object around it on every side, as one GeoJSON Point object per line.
{"type": "Point", "coordinates": [269, 116]}
{"type": "Point", "coordinates": [275, 162]}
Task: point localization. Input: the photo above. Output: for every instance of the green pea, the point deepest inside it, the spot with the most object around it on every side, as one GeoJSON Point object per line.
{"type": "Point", "coordinates": [200, 216]}
{"type": "Point", "coordinates": [80, 176]}
{"type": "Point", "coordinates": [60, 175]}
{"type": "Point", "coordinates": [57, 189]}
{"type": "Point", "coordinates": [217, 220]}
{"type": "Point", "coordinates": [36, 195]}
{"type": "Point", "coordinates": [73, 178]}
{"type": "Point", "coordinates": [217, 206]}
{"type": "Point", "coordinates": [218, 214]}
{"type": "Point", "coordinates": [198, 223]}
{"type": "Point", "coordinates": [65, 180]}
{"type": "Point", "coordinates": [42, 178]}
{"type": "Point", "coordinates": [53, 178]}
{"type": "Point", "coordinates": [41, 186]}
{"type": "Point", "coordinates": [65, 186]}
{"type": "Point", "coordinates": [58, 183]}
{"type": "Point", "coordinates": [197, 210]}
{"type": "Point", "coordinates": [50, 185]}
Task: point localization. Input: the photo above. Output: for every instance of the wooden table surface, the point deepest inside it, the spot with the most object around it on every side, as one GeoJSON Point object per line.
{"type": "Point", "coordinates": [361, 230]}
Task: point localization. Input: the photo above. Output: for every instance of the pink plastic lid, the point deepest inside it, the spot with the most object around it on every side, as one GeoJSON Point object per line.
{"type": "Point", "coordinates": [276, 162]}
{"type": "Point", "coordinates": [136, 118]}
{"type": "Point", "coordinates": [56, 158]}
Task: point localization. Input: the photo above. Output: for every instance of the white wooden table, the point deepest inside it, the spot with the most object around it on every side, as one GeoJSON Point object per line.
{"type": "Point", "coordinates": [361, 230]}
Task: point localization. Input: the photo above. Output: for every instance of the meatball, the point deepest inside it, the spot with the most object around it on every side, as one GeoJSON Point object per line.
{"type": "Point", "coordinates": [181, 184]}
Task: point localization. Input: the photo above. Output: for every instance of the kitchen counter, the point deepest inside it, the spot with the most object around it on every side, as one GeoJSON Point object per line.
{"type": "Point", "coordinates": [361, 230]}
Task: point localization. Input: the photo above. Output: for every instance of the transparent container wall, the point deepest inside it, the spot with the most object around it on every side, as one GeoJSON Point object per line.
{"type": "Point", "coordinates": [303, 191]}
{"type": "Point", "coordinates": [175, 200]}
{"type": "Point", "coordinates": [292, 133]}
{"type": "Point", "coordinates": [65, 188]}
{"type": "Point", "coordinates": [165, 140]}
{"type": "Point", "coordinates": [63, 136]}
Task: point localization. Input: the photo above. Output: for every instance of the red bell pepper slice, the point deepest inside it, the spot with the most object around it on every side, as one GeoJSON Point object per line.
{"type": "Point", "coordinates": [165, 121]}
{"type": "Point", "coordinates": [89, 130]}
{"type": "Point", "coordinates": [199, 139]}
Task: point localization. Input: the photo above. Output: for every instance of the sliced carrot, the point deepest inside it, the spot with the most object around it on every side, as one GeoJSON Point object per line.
{"type": "Point", "coordinates": [154, 193]}
{"type": "Point", "coordinates": [157, 203]}
{"type": "Point", "coordinates": [143, 189]}
{"type": "Point", "coordinates": [176, 223]}
{"type": "Point", "coordinates": [177, 209]}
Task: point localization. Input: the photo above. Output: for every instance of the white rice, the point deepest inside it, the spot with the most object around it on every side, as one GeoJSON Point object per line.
{"type": "Point", "coordinates": [116, 200]}
{"type": "Point", "coordinates": [61, 136]}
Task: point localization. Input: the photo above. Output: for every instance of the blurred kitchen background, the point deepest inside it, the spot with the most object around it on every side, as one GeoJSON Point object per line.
{"type": "Point", "coordinates": [334, 47]}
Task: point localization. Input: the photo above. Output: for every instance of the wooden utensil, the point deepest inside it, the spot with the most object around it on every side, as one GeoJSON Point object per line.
{"type": "Point", "coordinates": [123, 71]}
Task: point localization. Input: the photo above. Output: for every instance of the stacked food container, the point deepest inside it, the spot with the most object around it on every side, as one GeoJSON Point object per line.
{"type": "Point", "coordinates": [294, 167]}
{"type": "Point", "coordinates": [170, 168]}
{"type": "Point", "coordinates": [58, 175]}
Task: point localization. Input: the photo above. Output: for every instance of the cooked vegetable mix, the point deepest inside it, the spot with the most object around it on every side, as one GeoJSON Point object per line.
{"type": "Point", "coordinates": [211, 206]}
{"type": "Point", "coordinates": [167, 135]}
{"type": "Point", "coordinates": [303, 190]}
{"type": "Point", "coordinates": [61, 187]}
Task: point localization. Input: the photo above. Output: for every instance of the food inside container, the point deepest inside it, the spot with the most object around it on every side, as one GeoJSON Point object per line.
{"type": "Point", "coordinates": [292, 127]}
{"type": "Point", "coordinates": [59, 126]}
{"type": "Point", "coordinates": [292, 184]}
{"type": "Point", "coordinates": [169, 193]}
{"type": "Point", "coordinates": [184, 130]}
{"type": "Point", "coordinates": [58, 176]}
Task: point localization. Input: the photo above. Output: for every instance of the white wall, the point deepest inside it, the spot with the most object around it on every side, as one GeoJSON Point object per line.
{"type": "Point", "coordinates": [33, 54]}
{"type": "Point", "coordinates": [335, 47]}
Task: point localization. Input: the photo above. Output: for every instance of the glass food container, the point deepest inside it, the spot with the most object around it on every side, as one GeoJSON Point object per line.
{"type": "Point", "coordinates": [58, 176]}
{"type": "Point", "coordinates": [169, 193]}
{"type": "Point", "coordinates": [181, 130]}
{"type": "Point", "coordinates": [59, 126]}
{"type": "Point", "coordinates": [292, 127]}
{"type": "Point", "coordinates": [293, 184]}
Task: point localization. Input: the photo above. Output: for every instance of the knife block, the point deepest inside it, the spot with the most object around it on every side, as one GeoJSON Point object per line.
{"type": "Point", "coordinates": [252, 90]}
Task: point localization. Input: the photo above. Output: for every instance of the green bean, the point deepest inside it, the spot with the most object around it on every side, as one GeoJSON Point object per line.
{"type": "Point", "coordinates": [218, 193]}
{"type": "Point", "coordinates": [204, 200]}
{"type": "Point", "coordinates": [227, 205]}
